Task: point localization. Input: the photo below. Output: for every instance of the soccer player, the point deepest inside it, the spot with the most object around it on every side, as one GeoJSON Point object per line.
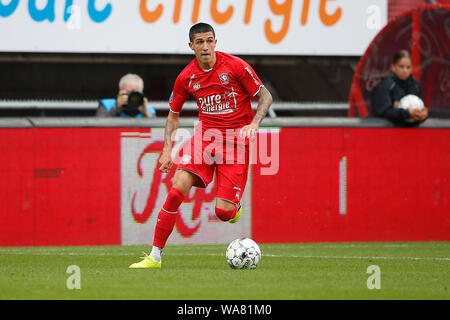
{"type": "Point", "coordinates": [222, 86]}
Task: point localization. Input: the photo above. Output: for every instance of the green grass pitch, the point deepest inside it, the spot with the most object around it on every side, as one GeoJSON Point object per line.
{"type": "Point", "coordinates": [408, 270]}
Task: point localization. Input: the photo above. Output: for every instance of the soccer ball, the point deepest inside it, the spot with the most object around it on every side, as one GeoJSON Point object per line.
{"type": "Point", "coordinates": [411, 101]}
{"type": "Point", "coordinates": [243, 253]}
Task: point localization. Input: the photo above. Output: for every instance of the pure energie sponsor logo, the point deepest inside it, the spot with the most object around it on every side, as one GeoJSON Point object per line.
{"type": "Point", "coordinates": [218, 103]}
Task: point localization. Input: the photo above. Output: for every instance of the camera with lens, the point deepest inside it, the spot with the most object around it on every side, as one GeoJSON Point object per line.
{"type": "Point", "coordinates": [135, 100]}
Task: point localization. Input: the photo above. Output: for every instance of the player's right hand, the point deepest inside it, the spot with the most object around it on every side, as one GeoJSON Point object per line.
{"type": "Point", "coordinates": [166, 162]}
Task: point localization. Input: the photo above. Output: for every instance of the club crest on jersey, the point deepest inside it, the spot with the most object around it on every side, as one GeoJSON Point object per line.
{"type": "Point", "coordinates": [196, 86]}
{"type": "Point", "coordinates": [224, 79]}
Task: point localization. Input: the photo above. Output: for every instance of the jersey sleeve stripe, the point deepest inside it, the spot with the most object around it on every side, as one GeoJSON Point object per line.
{"type": "Point", "coordinates": [259, 89]}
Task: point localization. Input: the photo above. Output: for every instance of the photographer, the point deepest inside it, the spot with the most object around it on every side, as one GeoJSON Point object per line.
{"type": "Point", "coordinates": [130, 101]}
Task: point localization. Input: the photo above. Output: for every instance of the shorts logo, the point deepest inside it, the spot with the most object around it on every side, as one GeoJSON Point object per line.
{"type": "Point", "coordinates": [186, 159]}
{"type": "Point", "coordinates": [224, 79]}
{"type": "Point", "coordinates": [196, 86]}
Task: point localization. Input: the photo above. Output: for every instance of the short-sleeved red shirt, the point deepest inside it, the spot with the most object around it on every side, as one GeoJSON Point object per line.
{"type": "Point", "coordinates": [223, 93]}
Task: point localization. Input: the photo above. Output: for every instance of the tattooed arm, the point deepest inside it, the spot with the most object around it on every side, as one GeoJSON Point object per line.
{"type": "Point", "coordinates": [264, 103]}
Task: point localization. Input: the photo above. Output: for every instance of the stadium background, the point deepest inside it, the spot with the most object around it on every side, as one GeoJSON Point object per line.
{"type": "Point", "coordinates": [340, 179]}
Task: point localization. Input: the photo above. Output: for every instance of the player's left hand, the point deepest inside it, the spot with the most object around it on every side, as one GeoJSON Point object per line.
{"type": "Point", "coordinates": [249, 131]}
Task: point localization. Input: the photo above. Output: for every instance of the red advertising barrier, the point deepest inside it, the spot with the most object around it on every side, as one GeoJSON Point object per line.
{"type": "Point", "coordinates": [62, 186]}
{"type": "Point", "coordinates": [355, 184]}
{"type": "Point", "coordinates": [59, 186]}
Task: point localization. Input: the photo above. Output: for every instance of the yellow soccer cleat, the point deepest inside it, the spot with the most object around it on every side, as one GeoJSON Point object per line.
{"type": "Point", "coordinates": [237, 215]}
{"type": "Point", "coordinates": [147, 263]}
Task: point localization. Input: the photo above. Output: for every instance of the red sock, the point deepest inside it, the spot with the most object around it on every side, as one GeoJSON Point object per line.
{"type": "Point", "coordinates": [225, 215]}
{"type": "Point", "coordinates": [167, 217]}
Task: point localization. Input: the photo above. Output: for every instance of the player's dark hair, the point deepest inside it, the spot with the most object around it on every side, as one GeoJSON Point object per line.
{"type": "Point", "coordinates": [400, 55]}
{"type": "Point", "coordinates": [200, 27]}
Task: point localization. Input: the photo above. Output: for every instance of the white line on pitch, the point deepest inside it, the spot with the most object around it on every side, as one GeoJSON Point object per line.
{"type": "Point", "coordinates": [217, 254]}
{"type": "Point", "coordinates": [358, 257]}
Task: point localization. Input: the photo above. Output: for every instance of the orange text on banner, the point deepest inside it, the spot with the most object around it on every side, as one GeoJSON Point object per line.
{"type": "Point", "coordinates": [283, 9]}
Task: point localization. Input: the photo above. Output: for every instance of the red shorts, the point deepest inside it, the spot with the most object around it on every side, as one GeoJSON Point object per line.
{"type": "Point", "coordinates": [229, 160]}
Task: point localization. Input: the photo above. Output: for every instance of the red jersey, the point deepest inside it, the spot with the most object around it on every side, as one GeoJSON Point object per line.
{"type": "Point", "coordinates": [222, 93]}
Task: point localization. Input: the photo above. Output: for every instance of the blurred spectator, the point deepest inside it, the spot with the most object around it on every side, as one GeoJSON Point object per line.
{"type": "Point", "coordinates": [130, 101]}
{"type": "Point", "coordinates": [398, 83]}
